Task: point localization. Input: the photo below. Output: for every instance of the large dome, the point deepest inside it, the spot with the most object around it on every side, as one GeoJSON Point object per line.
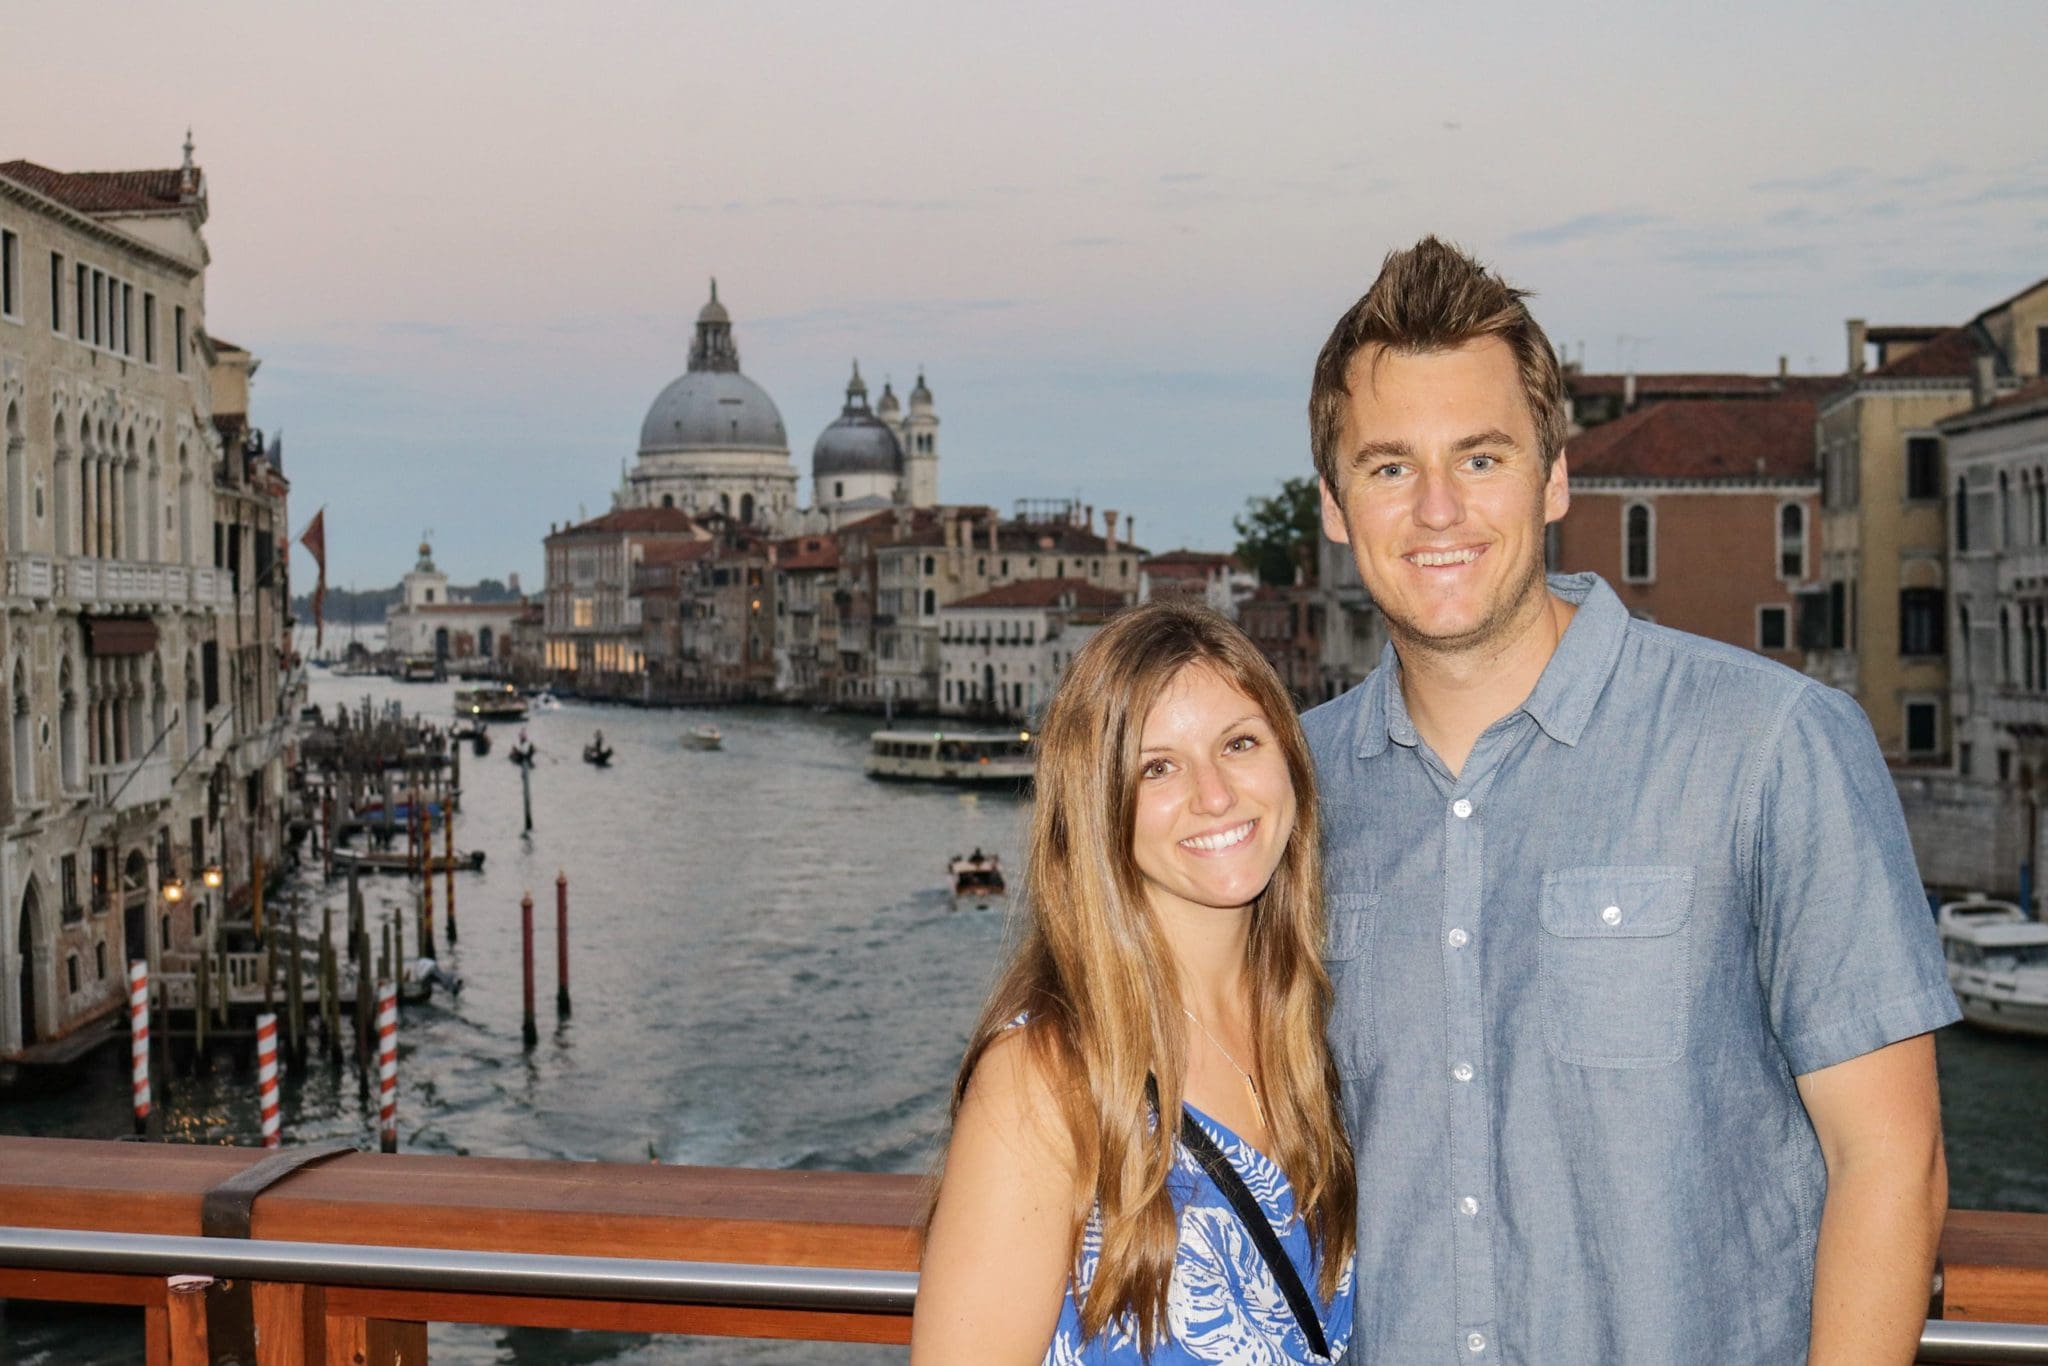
{"type": "Point", "coordinates": [712, 408]}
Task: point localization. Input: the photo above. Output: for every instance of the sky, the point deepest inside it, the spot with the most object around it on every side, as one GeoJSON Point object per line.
{"type": "Point", "coordinates": [469, 241]}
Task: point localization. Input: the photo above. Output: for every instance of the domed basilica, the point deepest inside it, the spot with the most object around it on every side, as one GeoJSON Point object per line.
{"type": "Point", "coordinates": [714, 442]}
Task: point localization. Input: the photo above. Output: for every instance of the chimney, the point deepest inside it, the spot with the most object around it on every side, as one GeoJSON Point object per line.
{"type": "Point", "coordinates": [1859, 333]}
{"type": "Point", "coordinates": [1983, 380]}
{"type": "Point", "coordinates": [1088, 518]}
{"type": "Point", "coordinates": [1784, 370]}
{"type": "Point", "coordinates": [1131, 528]}
{"type": "Point", "coordinates": [952, 530]}
{"type": "Point", "coordinates": [1109, 528]}
{"type": "Point", "coordinates": [992, 519]}
{"type": "Point", "coordinates": [1628, 392]}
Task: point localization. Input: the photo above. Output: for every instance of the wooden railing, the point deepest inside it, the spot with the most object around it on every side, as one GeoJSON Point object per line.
{"type": "Point", "coordinates": [841, 1224]}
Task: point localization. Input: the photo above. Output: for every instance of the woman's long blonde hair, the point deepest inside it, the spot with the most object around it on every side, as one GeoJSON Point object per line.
{"type": "Point", "coordinates": [1094, 972]}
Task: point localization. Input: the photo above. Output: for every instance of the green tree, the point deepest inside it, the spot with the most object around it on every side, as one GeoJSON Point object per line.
{"type": "Point", "coordinates": [1275, 535]}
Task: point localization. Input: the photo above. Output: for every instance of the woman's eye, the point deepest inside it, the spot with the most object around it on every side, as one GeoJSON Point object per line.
{"type": "Point", "coordinates": [1240, 743]}
{"type": "Point", "coordinates": [1158, 768]}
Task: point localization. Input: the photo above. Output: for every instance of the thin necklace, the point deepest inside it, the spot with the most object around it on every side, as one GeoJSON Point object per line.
{"type": "Point", "coordinates": [1249, 1085]}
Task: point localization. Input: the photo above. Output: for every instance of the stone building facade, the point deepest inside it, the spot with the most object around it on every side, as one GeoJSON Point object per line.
{"type": "Point", "coordinates": [143, 592]}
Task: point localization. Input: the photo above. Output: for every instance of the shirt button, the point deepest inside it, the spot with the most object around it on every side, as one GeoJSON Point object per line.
{"type": "Point", "coordinates": [1468, 1206]}
{"type": "Point", "coordinates": [1475, 1342]}
{"type": "Point", "coordinates": [1463, 1071]}
{"type": "Point", "coordinates": [1461, 808]}
{"type": "Point", "coordinates": [1612, 915]}
{"type": "Point", "coordinates": [1459, 939]}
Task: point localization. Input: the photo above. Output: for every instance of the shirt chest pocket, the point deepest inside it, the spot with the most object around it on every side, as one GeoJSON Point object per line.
{"type": "Point", "coordinates": [1347, 957]}
{"type": "Point", "coordinates": [1616, 969]}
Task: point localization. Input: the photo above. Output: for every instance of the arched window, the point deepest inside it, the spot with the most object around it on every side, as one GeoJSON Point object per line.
{"type": "Point", "coordinates": [154, 511]}
{"type": "Point", "coordinates": [1639, 544]}
{"type": "Point", "coordinates": [2004, 647]}
{"type": "Point", "coordinates": [1962, 650]}
{"type": "Point", "coordinates": [747, 507]}
{"type": "Point", "coordinates": [725, 503]}
{"type": "Point", "coordinates": [2004, 513]}
{"type": "Point", "coordinates": [931, 602]}
{"type": "Point", "coordinates": [485, 640]}
{"type": "Point", "coordinates": [61, 468]}
{"type": "Point", "coordinates": [1791, 542]}
{"type": "Point", "coordinates": [1962, 514]}
{"type": "Point", "coordinates": [2040, 508]}
{"type": "Point", "coordinates": [70, 770]}
{"type": "Point", "coordinates": [668, 500]}
{"type": "Point", "coordinates": [17, 481]}
{"type": "Point", "coordinates": [185, 547]}
{"type": "Point", "coordinates": [194, 718]}
{"type": "Point", "coordinates": [24, 739]}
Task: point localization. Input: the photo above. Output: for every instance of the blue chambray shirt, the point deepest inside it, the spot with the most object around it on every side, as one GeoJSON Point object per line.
{"type": "Point", "coordinates": [1574, 985]}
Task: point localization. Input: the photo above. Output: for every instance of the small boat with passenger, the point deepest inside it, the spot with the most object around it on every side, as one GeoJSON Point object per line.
{"type": "Point", "coordinates": [704, 737]}
{"type": "Point", "coordinates": [977, 880]}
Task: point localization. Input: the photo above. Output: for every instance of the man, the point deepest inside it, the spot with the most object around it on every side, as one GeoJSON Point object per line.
{"type": "Point", "coordinates": [1634, 973]}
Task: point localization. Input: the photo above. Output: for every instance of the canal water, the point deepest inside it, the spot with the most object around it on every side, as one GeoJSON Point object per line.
{"type": "Point", "coordinates": [768, 971]}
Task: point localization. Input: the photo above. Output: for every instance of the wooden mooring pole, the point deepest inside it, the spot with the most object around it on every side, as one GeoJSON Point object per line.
{"type": "Point", "coordinates": [529, 1032]}
{"type": "Point", "coordinates": [448, 825]}
{"type": "Point", "coordinates": [427, 882]}
{"type": "Point", "coordinates": [561, 944]}
{"type": "Point", "coordinates": [295, 1005]}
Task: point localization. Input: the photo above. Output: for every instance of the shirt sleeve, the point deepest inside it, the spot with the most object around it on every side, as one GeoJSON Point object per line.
{"type": "Point", "coordinates": [1848, 951]}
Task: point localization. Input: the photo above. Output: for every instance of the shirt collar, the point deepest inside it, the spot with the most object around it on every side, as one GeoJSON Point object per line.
{"type": "Point", "coordinates": [1562, 701]}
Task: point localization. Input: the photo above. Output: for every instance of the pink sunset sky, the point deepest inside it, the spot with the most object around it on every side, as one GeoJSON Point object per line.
{"type": "Point", "coordinates": [469, 240]}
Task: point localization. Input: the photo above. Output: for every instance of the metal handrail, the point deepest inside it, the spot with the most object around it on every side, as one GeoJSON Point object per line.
{"type": "Point", "coordinates": [1954, 1342]}
{"type": "Point", "coordinates": [1943, 1342]}
{"type": "Point", "coordinates": [826, 1289]}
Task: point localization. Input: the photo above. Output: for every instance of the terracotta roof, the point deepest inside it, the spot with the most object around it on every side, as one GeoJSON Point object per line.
{"type": "Point", "coordinates": [807, 552]}
{"type": "Point", "coordinates": [2027, 395]}
{"type": "Point", "coordinates": [633, 520]}
{"type": "Point", "coordinates": [1950, 354]}
{"type": "Point", "coordinates": [1196, 561]}
{"type": "Point", "coordinates": [1704, 385]}
{"type": "Point", "coordinates": [101, 191]}
{"type": "Point", "coordinates": [673, 552]}
{"type": "Point", "coordinates": [2006, 303]}
{"type": "Point", "coordinates": [1044, 593]}
{"type": "Point", "coordinates": [1700, 439]}
{"type": "Point", "coordinates": [1897, 332]}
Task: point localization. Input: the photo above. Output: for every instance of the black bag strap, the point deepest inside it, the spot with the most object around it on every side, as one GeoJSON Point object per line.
{"type": "Point", "coordinates": [1197, 1141]}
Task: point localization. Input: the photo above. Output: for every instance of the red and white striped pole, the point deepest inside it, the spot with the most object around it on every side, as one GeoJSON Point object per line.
{"type": "Point", "coordinates": [266, 1076]}
{"type": "Point", "coordinates": [387, 1066]}
{"type": "Point", "coordinates": [138, 1026]}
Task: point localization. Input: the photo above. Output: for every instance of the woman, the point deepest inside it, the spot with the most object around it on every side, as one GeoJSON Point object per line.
{"type": "Point", "coordinates": [1165, 1008]}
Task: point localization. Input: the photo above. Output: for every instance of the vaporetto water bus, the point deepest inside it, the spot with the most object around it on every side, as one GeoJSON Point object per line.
{"type": "Point", "coordinates": [1000, 759]}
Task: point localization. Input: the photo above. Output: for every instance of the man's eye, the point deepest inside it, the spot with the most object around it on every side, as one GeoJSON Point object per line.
{"type": "Point", "coordinates": [1485, 462]}
{"type": "Point", "coordinates": [1389, 471]}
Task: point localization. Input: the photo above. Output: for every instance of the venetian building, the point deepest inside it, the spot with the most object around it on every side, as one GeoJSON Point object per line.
{"type": "Point", "coordinates": [867, 460]}
{"type": "Point", "coordinates": [714, 440]}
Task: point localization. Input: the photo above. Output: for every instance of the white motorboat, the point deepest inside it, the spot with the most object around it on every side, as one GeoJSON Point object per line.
{"type": "Point", "coordinates": [704, 737]}
{"type": "Point", "coordinates": [1997, 964]}
{"type": "Point", "coordinates": [545, 701]}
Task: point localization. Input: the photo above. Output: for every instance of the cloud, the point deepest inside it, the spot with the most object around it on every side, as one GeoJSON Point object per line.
{"type": "Point", "coordinates": [1182, 177]}
{"type": "Point", "coordinates": [1913, 277]}
{"type": "Point", "coordinates": [825, 204]}
{"type": "Point", "coordinates": [1095, 242]}
{"type": "Point", "coordinates": [876, 315]}
{"type": "Point", "coordinates": [1584, 226]}
{"type": "Point", "coordinates": [1836, 178]}
{"type": "Point", "coordinates": [2000, 192]}
{"type": "Point", "coordinates": [1740, 258]}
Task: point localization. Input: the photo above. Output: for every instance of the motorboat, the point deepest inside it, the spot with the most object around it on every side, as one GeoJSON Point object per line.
{"type": "Point", "coordinates": [398, 861]}
{"type": "Point", "coordinates": [977, 880]}
{"type": "Point", "coordinates": [491, 702]}
{"type": "Point", "coordinates": [705, 737]}
{"type": "Point", "coordinates": [544, 700]}
{"type": "Point", "coordinates": [1997, 964]}
{"type": "Point", "coordinates": [968, 758]}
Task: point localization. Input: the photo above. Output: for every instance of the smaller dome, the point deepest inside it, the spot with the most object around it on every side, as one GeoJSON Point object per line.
{"type": "Point", "coordinates": [888, 407]}
{"type": "Point", "coordinates": [858, 442]}
{"type": "Point", "coordinates": [920, 396]}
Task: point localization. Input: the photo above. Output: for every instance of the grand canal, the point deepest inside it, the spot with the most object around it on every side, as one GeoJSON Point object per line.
{"type": "Point", "coordinates": [767, 971]}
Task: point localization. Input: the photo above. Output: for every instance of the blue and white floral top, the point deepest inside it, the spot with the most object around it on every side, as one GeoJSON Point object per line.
{"type": "Point", "coordinates": [1222, 1304]}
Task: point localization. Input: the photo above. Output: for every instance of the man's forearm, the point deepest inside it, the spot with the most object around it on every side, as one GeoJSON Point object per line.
{"type": "Point", "coordinates": [1873, 1272]}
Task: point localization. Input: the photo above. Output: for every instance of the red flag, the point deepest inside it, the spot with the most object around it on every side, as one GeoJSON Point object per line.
{"type": "Point", "coordinates": [314, 538]}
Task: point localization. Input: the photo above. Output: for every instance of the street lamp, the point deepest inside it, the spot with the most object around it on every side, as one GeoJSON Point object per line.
{"type": "Point", "coordinates": [211, 876]}
{"type": "Point", "coordinates": [173, 889]}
